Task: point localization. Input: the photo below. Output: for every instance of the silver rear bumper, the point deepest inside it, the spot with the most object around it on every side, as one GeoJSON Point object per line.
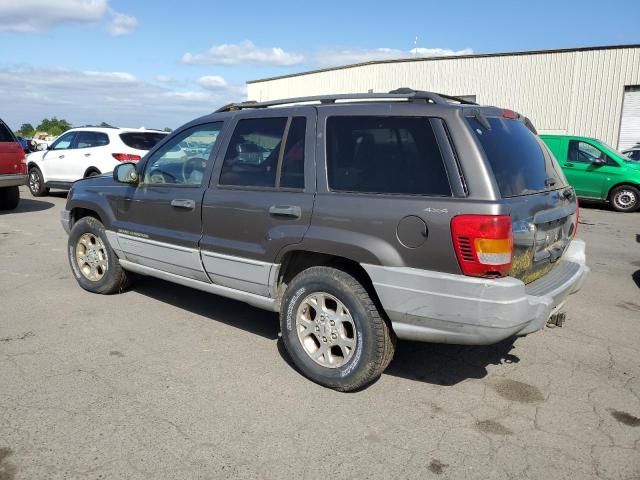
{"type": "Point", "coordinates": [446, 308]}
{"type": "Point", "coordinates": [12, 180]}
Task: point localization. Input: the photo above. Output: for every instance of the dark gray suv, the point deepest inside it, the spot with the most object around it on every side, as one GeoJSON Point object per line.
{"type": "Point", "coordinates": [360, 218]}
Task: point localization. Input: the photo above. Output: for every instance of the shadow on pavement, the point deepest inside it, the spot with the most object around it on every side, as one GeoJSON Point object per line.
{"type": "Point", "coordinates": [29, 205]}
{"type": "Point", "coordinates": [436, 364]}
{"type": "Point", "coordinates": [636, 277]}
{"type": "Point", "coordinates": [214, 307]}
{"type": "Point", "coordinates": [447, 365]}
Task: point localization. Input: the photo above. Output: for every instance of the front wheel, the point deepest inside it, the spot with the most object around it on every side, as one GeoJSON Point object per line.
{"type": "Point", "coordinates": [9, 198]}
{"type": "Point", "coordinates": [333, 330]}
{"type": "Point", "coordinates": [92, 260]}
{"type": "Point", "coordinates": [36, 183]}
{"type": "Point", "coordinates": [625, 198]}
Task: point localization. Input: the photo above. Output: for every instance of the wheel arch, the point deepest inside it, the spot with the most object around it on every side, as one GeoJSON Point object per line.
{"type": "Point", "coordinates": [621, 184]}
{"type": "Point", "coordinates": [91, 170]}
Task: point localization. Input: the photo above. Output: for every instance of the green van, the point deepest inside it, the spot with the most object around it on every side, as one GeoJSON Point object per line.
{"type": "Point", "coordinates": [597, 171]}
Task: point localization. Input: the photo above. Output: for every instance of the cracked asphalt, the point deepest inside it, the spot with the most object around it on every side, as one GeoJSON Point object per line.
{"type": "Point", "coordinates": [167, 382]}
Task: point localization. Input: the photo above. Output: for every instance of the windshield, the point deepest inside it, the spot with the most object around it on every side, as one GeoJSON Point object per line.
{"type": "Point", "coordinates": [521, 163]}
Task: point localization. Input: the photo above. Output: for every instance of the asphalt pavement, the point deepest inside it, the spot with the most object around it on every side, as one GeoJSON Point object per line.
{"type": "Point", "coordinates": [167, 382]}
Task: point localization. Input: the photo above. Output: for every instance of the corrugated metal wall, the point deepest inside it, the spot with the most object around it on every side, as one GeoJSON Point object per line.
{"type": "Point", "coordinates": [578, 92]}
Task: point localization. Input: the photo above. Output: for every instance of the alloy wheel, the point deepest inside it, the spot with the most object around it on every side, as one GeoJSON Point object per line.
{"type": "Point", "coordinates": [91, 257]}
{"type": "Point", "coordinates": [326, 330]}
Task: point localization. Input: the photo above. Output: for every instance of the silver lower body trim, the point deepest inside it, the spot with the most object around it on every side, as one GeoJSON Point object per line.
{"type": "Point", "coordinates": [13, 180]}
{"type": "Point", "coordinates": [259, 301]}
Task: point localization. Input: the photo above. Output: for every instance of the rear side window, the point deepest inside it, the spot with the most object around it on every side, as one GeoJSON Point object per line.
{"type": "Point", "coordinates": [520, 164]}
{"type": "Point", "coordinates": [141, 140]}
{"type": "Point", "coordinates": [393, 155]}
{"type": "Point", "coordinates": [5, 133]}
{"type": "Point", "coordinates": [91, 139]}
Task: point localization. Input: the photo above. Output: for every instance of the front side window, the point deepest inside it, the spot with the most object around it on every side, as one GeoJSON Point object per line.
{"type": "Point", "coordinates": [174, 165]}
{"type": "Point", "coordinates": [392, 155]}
{"type": "Point", "coordinates": [91, 139]}
{"type": "Point", "coordinates": [583, 152]}
{"type": "Point", "coordinates": [64, 142]}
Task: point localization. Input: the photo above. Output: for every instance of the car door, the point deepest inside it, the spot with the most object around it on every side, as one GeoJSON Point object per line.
{"type": "Point", "coordinates": [261, 197]}
{"type": "Point", "coordinates": [158, 222]}
{"type": "Point", "coordinates": [589, 169]}
{"type": "Point", "coordinates": [54, 160]}
{"type": "Point", "coordinates": [86, 148]}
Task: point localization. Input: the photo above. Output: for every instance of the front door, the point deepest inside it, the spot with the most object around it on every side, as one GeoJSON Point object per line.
{"type": "Point", "coordinates": [158, 223]}
{"type": "Point", "coordinates": [56, 157]}
{"type": "Point", "coordinates": [261, 197]}
{"type": "Point", "coordinates": [588, 169]}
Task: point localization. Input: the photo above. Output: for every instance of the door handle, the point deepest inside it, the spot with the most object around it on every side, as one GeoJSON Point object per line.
{"type": "Point", "coordinates": [87, 154]}
{"type": "Point", "coordinates": [285, 211]}
{"type": "Point", "coordinates": [569, 164]}
{"type": "Point", "coordinates": [61, 156]}
{"type": "Point", "coordinates": [183, 203]}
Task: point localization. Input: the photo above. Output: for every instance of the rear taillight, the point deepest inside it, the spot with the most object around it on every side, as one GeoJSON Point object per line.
{"type": "Point", "coordinates": [483, 244]}
{"type": "Point", "coordinates": [126, 157]}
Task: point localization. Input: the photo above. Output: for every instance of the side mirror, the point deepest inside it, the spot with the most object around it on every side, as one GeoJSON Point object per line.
{"type": "Point", "coordinates": [126, 173]}
{"type": "Point", "coordinates": [598, 162]}
{"type": "Point", "coordinates": [41, 146]}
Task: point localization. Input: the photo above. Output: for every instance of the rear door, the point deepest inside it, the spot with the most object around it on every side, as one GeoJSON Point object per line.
{"type": "Point", "coordinates": [542, 205]}
{"type": "Point", "coordinates": [85, 153]}
{"type": "Point", "coordinates": [158, 222]}
{"type": "Point", "coordinates": [261, 197]}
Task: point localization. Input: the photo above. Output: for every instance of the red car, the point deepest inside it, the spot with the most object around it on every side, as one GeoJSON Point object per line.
{"type": "Point", "coordinates": [13, 168]}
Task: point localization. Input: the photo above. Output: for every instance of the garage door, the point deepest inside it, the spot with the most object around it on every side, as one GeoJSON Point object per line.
{"type": "Point", "coordinates": [630, 124]}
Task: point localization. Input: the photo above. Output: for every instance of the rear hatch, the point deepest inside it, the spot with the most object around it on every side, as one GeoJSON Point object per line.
{"type": "Point", "coordinates": [542, 206]}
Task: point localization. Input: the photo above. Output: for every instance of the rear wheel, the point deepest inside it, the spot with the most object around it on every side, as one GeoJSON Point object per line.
{"type": "Point", "coordinates": [625, 198]}
{"type": "Point", "coordinates": [92, 260]}
{"type": "Point", "coordinates": [36, 183]}
{"type": "Point", "coordinates": [92, 173]}
{"type": "Point", "coordinates": [333, 330]}
{"type": "Point", "coordinates": [9, 198]}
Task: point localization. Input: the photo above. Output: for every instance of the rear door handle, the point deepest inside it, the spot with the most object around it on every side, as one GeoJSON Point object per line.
{"type": "Point", "coordinates": [285, 211]}
{"type": "Point", "coordinates": [183, 203]}
{"type": "Point", "coordinates": [569, 164]}
{"type": "Point", "coordinates": [61, 156]}
{"type": "Point", "coordinates": [87, 154]}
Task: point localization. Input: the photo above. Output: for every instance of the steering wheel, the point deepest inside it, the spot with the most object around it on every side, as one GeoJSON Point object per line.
{"type": "Point", "coordinates": [193, 164]}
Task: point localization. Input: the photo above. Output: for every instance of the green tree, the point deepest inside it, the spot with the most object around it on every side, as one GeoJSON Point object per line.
{"type": "Point", "coordinates": [105, 125]}
{"type": "Point", "coordinates": [167, 129]}
{"type": "Point", "coordinates": [54, 126]}
{"type": "Point", "coordinates": [26, 130]}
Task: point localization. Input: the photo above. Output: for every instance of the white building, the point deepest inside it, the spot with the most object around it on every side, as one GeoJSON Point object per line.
{"type": "Point", "coordinates": [583, 91]}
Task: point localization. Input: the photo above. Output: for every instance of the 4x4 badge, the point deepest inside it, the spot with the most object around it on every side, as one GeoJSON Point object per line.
{"type": "Point", "coordinates": [436, 210]}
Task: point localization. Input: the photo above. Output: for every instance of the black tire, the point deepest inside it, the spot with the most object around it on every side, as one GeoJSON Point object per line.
{"type": "Point", "coordinates": [113, 278]}
{"type": "Point", "coordinates": [36, 183]}
{"type": "Point", "coordinates": [92, 173]}
{"type": "Point", "coordinates": [9, 198]}
{"type": "Point", "coordinates": [373, 338]}
{"type": "Point", "coordinates": [625, 198]}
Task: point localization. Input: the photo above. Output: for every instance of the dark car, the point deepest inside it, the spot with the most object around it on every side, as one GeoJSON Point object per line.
{"type": "Point", "coordinates": [360, 218]}
{"type": "Point", "coordinates": [13, 168]}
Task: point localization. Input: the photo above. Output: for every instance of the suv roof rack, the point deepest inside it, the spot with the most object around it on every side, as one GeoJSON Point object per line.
{"type": "Point", "coordinates": [398, 94]}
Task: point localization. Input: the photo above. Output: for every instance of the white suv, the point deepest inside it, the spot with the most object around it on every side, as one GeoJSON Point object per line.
{"type": "Point", "coordinates": [85, 152]}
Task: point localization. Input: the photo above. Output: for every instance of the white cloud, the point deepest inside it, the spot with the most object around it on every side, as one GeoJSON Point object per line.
{"type": "Point", "coordinates": [118, 98]}
{"type": "Point", "coordinates": [121, 24]}
{"type": "Point", "coordinates": [243, 53]}
{"type": "Point", "coordinates": [163, 79]}
{"type": "Point", "coordinates": [212, 82]}
{"type": "Point", "coordinates": [329, 57]}
{"type": "Point", "coordinates": [40, 15]}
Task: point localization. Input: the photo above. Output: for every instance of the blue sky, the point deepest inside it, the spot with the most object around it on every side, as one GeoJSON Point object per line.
{"type": "Point", "coordinates": [135, 63]}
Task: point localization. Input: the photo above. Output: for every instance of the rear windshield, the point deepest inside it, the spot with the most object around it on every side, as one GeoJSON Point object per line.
{"type": "Point", "coordinates": [142, 140]}
{"type": "Point", "coordinates": [520, 162]}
